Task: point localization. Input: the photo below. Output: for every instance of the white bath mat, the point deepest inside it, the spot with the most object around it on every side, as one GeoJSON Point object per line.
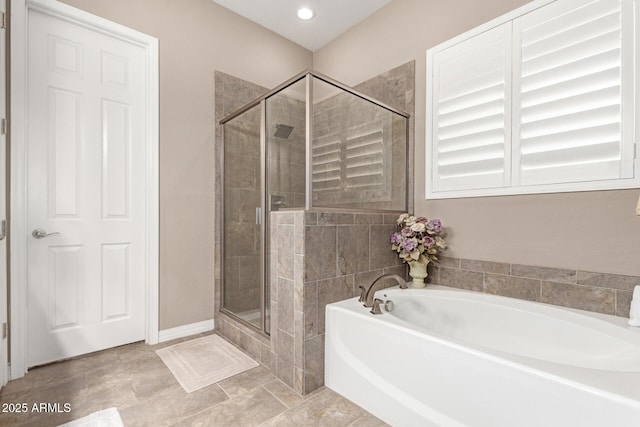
{"type": "Point", "coordinates": [204, 361]}
{"type": "Point", "coordinates": [105, 418]}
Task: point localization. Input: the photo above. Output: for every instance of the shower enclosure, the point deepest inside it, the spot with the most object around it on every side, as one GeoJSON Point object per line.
{"type": "Point", "coordinates": [310, 143]}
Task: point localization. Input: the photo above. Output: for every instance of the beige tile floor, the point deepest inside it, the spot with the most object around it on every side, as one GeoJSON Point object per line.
{"type": "Point", "coordinates": [135, 380]}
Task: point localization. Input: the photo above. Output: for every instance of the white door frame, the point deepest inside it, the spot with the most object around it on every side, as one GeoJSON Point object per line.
{"type": "Point", "coordinates": [18, 224]}
{"type": "Point", "coordinates": [4, 259]}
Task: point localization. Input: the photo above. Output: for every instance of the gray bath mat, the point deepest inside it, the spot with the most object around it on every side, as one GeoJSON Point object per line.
{"type": "Point", "coordinates": [204, 361]}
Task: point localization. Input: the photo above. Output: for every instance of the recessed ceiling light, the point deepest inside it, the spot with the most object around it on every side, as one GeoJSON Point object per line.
{"type": "Point", "coordinates": [306, 13]}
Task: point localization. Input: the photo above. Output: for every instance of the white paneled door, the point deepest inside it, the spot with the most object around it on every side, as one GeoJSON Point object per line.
{"type": "Point", "coordinates": [86, 190]}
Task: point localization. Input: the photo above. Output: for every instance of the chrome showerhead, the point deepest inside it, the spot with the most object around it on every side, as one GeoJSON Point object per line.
{"type": "Point", "coordinates": [283, 131]}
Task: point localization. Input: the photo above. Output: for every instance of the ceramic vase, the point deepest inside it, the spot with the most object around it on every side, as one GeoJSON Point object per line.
{"type": "Point", "coordinates": [418, 272]}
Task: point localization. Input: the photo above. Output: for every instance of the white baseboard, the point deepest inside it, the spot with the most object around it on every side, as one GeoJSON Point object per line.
{"type": "Point", "coordinates": [186, 330]}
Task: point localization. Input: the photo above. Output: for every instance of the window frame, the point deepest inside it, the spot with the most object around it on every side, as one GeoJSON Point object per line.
{"type": "Point", "coordinates": [630, 115]}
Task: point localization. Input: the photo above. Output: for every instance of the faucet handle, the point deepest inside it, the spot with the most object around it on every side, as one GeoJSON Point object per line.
{"type": "Point", "coordinates": [363, 294]}
{"type": "Point", "coordinates": [376, 306]}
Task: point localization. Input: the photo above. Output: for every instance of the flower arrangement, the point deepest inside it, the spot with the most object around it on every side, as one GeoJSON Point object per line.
{"type": "Point", "coordinates": [418, 239]}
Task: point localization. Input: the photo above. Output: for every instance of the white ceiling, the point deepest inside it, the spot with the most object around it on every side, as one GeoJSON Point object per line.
{"type": "Point", "coordinates": [333, 17]}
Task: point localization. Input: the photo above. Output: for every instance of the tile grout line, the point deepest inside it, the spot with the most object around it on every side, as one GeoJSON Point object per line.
{"type": "Point", "coordinates": [223, 390]}
{"type": "Point", "coordinates": [180, 419]}
{"type": "Point", "coordinates": [277, 398]}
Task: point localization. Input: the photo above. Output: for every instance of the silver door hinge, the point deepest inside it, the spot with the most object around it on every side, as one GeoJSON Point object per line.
{"type": "Point", "coordinates": [3, 20]}
{"type": "Point", "coordinates": [4, 331]}
{"type": "Point", "coordinates": [3, 126]}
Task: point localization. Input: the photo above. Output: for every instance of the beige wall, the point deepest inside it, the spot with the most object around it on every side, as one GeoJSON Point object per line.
{"type": "Point", "coordinates": [592, 231]}
{"type": "Point", "coordinates": [588, 231]}
{"type": "Point", "coordinates": [196, 37]}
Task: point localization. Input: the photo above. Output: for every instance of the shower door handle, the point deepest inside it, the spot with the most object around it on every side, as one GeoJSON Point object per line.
{"type": "Point", "coordinates": [259, 216]}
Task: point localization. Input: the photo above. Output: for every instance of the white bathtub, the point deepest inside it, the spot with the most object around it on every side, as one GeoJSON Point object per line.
{"type": "Point", "coordinates": [444, 357]}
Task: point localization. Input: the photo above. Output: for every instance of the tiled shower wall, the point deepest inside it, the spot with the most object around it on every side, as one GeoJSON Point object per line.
{"type": "Point", "coordinates": [396, 88]}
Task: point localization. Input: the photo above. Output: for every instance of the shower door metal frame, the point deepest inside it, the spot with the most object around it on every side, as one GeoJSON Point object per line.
{"type": "Point", "coordinates": [261, 216]}
{"type": "Point", "coordinates": [260, 220]}
{"type": "Point", "coordinates": [321, 77]}
{"type": "Point", "coordinates": [308, 138]}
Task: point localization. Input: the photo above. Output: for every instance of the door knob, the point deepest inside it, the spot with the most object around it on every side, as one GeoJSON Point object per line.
{"type": "Point", "coordinates": [39, 233]}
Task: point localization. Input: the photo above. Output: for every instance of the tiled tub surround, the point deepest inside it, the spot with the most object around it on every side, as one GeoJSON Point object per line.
{"type": "Point", "coordinates": [316, 258]}
{"type": "Point", "coordinates": [318, 276]}
{"type": "Point", "coordinates": [591, 291]}
{"type": "Point", "coordinates": [321, 257]}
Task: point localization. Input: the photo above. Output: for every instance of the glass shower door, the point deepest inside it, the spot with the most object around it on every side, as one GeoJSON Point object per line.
{"type": "Point", "coordinates": [285, 162]}
{"type": "Point", "coordinates": [285, 147]}
{"type": "Point", "coordinates": [243, 269]}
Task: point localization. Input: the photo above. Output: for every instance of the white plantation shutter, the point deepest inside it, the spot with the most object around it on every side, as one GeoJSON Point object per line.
{"type": "Point", "coordinates": [471, 114]}
{"type": "Point", "coordinates": [364, 156]}
{"type": "Point", "coordinates": [353, 159]}
{"type": "Point", "coordinates": [568, 116]}
{"type": "Point", "coordinates": [568, 98]}
{"type": "Point", "coordinates": [327, 162]}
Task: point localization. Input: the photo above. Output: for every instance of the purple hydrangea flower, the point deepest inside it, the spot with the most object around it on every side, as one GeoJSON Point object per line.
{"type": "Point", "coordinates": [396, 238]}
{"type": "Point", "coordinates": [409, 245]}
{"type": "Point", "coordinates": [435, 225]}
{"type": "Point", "coordinates": [428, 242]}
